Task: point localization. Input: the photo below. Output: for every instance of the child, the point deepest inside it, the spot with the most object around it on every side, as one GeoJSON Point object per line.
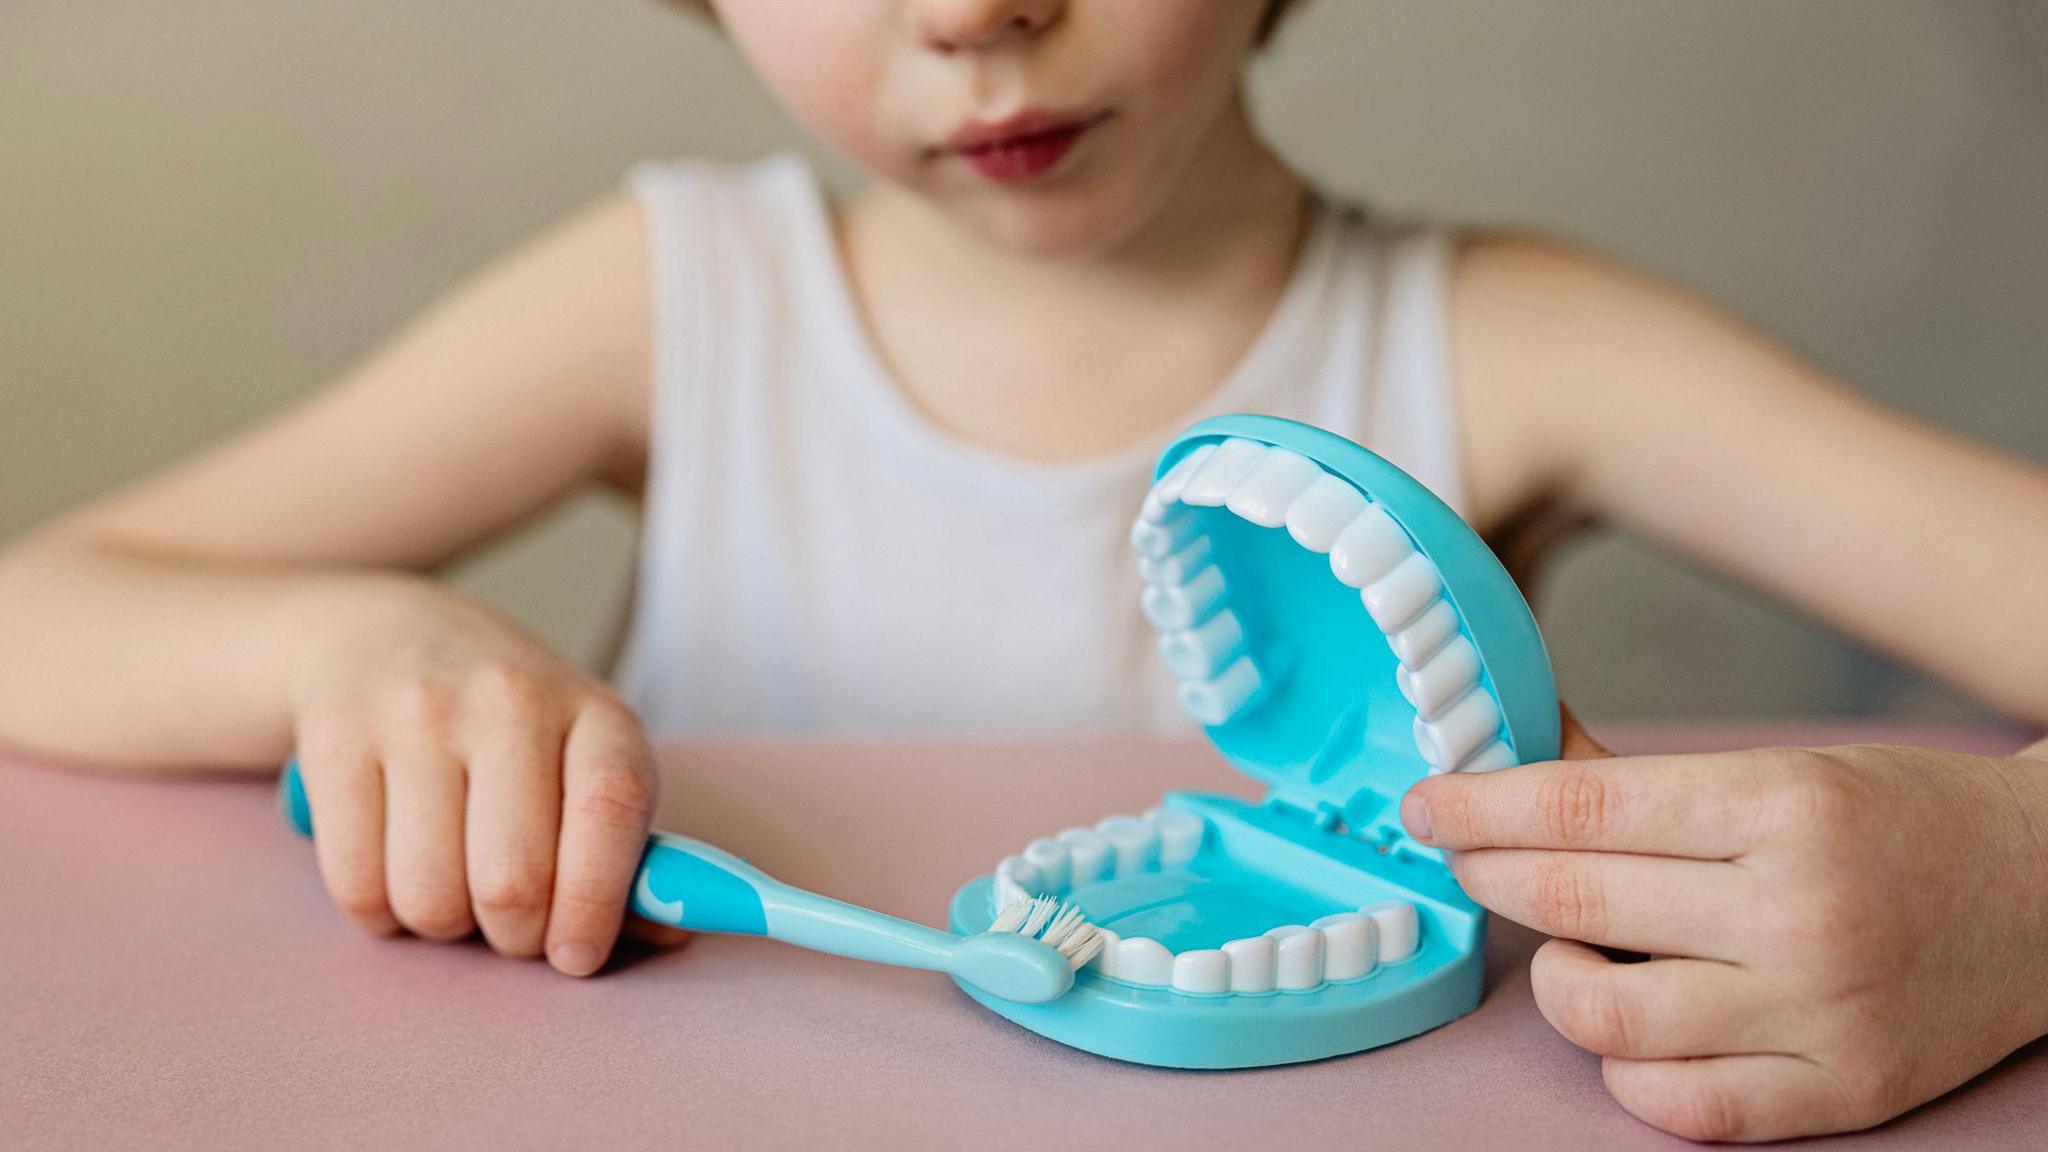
{"type": "Point", "coordinates": [888, 455]}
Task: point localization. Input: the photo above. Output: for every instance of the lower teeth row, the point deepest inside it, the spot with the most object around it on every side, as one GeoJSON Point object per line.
{"type": "Point", "coordinates": [1291, 958]}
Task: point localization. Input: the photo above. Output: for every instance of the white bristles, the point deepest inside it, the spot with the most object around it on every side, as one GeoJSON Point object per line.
{"type": "Point", "coordinates": [1042, 910]}
{"type": "Point", "coordinates": [1061, 925]}
{"type": "Point", "coordinates": [1012, 916]}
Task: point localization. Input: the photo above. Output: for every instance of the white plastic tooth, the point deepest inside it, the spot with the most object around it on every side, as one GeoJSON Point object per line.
{"type": "Point", "coordinates": [1006, 893]}
{"type": "Point", "coordinates": [1050, 858]}
{"type": "Point", "coordinates": [1158, 539]}
{"type": "Point", "coordinates": [1176, 568]}
{"type": "Point", "coordinates": [1321, 513]}
{"type": "Point", "coordinates": [1415, 642]}
{"type": "Point", "coordinates": [1202, 970]}
{"type": "Point", "coordinates": [1492, 758]}
{"type": "Point", "coordinates": [1211, 483]}
{"type": "Point", "coordinates": [1020, 870]}
{"type": "Point", "coordinates": [1178, 607]}
{"type": "Point", "coordinates": [1298, 961]}
{"type": "Point", "coordinates": [1350, 945]}
{"type": "Point", "coordinates": [1016, 880]}
{"type": "Point", "coordinates": [1463, 729]}
{"type": "Point", "coordinates": [1447, 676]}
{"type": "Point", "coordinates": [1252, 964]}
{"type": "Point", "coordinates": [1198, 653]}
{"type": "Point", "coordinates": [1165, 494]}
{"type": "Point", "coordinates": [1398, 928]}
{"type": "Point", "coordinates": [1134, 841]}
{"type": "Point", "coordinates": [1214, 701]}
{"type": "Point", "coordinates": [1369, 548]}
{"type": "Point", "coordinates": [1272, 486]}
{"type": "Point", "coordinates": [1105, 960]}
{"type": "Point", "coordinates": [1143, 961]}
{"type": "Point", "coordinates": [1430, 755]}
{"type": "Point", "coordinates": [1180, 835]}
{"type": "Point", "coordinates": [1089, 855]}
{"type": "Point", "coordinates": [1398, 598]}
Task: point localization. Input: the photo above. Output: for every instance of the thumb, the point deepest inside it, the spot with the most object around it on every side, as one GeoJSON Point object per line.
{"type": "Point", "coordinates": [1575, 743]}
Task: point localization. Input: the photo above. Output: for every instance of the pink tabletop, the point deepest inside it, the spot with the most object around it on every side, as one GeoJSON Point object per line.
{"type": "Point", "coordinates": [172, 975]}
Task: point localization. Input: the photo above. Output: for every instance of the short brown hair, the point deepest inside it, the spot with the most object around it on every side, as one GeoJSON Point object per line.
{"type": "Point", "coordinates": [1276, 11]}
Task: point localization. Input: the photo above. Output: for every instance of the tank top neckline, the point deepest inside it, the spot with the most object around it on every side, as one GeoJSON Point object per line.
{"type": "Point", "coordinates": [826, 282]}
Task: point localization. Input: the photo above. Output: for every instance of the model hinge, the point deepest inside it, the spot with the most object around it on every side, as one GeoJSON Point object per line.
{"type": "Point", "coordinates": [1326, 817]}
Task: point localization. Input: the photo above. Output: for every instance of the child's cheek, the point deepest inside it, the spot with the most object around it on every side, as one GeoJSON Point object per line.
{"type": "Point", "coordinates": [822, 63]}
{"type": "Point", "coordinates": [832, 95]}
{"type": "Point", "coordinates": [1187, 53]}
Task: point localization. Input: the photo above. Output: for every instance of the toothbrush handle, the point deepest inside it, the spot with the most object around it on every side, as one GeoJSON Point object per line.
{"type": "Point", "coordinates": [691, 884]}
{"type": "Point", "coordinates": [291, 799]}
{"type": "Point", "coordinates": [681, 882]}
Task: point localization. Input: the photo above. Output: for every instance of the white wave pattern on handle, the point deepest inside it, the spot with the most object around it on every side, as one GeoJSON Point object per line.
{"type": "Point", "coordinates": [653, 907]}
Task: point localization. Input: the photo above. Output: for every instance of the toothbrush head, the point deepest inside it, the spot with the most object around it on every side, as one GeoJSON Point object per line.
{"type": "Point", "coordinates": [1031, 951]}
{"type": "Point", "coordinates": [1058, 924]}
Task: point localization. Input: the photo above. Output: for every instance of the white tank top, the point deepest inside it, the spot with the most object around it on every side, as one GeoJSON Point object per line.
{"type": "Point", "coordinates": [817, 554]}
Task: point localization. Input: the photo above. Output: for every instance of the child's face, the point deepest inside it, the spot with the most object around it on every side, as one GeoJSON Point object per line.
{"type": "Point", "coordinates": [1053, 127]}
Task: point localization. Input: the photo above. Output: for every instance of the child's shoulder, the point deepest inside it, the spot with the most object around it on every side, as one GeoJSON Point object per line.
{"type": "Point", "coordinates": [1567, 315]}
{"type": "Point", "coordinates": [1591, 383]}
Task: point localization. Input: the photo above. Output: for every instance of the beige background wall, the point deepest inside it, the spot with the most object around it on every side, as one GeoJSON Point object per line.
{"type": "Point", "coordinates": [208, 208]}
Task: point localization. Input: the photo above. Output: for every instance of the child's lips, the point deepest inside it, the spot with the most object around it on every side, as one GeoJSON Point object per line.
{"type": "Point", "coordinates": [1020, 148]}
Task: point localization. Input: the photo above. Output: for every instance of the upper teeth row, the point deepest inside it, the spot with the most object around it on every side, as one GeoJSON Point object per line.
{"type": "Point", "coordinates": [1290, 958]}
{"type": "Point", "coordinates": [1457, 723]}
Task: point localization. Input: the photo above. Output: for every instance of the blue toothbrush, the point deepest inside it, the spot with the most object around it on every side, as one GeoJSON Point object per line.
{"type": "Point", "coordinates": [1028, 955]}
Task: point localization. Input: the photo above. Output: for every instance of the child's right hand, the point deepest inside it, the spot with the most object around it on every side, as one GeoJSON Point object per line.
{"type": "Point", "coordinates": [1839, 934]}
{"type": "Point", "coordinates": [463, 777]}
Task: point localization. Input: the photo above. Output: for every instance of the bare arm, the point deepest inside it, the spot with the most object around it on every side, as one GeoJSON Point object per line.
{"type": "Point", "coordinates": [1594, 390]}
{"type": "Point", "coordinates": [158, 626]}
{"type": "Point", "coordinates": [264, 600]}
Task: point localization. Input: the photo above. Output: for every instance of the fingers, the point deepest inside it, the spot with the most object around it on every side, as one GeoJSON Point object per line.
{"type": "Point", "coordinates": [1703, 807]}
{"type": "Point", "coordinates": [608, 794]}
{"type": "Point", "coordinates": [1742, 1098]}
{"type": "Point", "coordinates": [423, 836]}
{"type": "Point", "coordinates": [1660, 1009]}
{"type": "Point", "coordinates": [345, 790]}
{"type": "Point", "coordinates": [515, 809]}
{"type": "Point", "coordinates": [486, 806]}
{"type": "Point", "coordinates": [1640, 903]}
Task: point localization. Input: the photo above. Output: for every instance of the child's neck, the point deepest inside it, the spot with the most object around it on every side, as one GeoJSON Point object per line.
{"type": "Point", "coordinates": [1068, 359]}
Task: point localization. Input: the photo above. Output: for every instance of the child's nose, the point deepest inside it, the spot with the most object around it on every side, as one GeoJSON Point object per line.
{"type": "Point", "coordinates": [974, 25]}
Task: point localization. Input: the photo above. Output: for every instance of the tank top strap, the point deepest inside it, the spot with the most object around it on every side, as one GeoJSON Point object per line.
{"type": "Point", "coordinates": [725, 244]}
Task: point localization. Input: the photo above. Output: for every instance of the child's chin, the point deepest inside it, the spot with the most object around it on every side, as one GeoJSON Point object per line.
{"type": "Point", "coordinates": [1056, 228]}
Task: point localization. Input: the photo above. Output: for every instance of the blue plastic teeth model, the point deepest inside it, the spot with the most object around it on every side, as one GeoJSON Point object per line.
{"type": "Point", "coordinates": [1340, 633]}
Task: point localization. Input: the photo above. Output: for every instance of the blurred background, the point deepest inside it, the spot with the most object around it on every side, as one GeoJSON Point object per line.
{"type": "Point", "coordinates": [209, 208]}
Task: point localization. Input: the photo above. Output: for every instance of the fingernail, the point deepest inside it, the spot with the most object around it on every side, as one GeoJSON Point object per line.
{"type": "Point", "coordinates": [1415, 814]}
{"type": "Point", "coordinates": [574, 958]}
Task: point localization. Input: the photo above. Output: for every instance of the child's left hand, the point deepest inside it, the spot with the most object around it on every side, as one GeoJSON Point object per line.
{"type": "Point", "coordinates": [1839, 934]}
